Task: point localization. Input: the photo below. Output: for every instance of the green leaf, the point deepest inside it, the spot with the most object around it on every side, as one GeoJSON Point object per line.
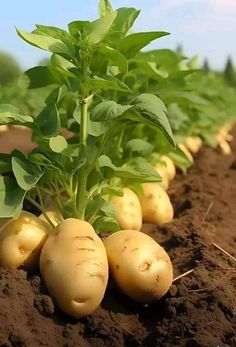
{"type": "Point", "coordinates": [54, 32]}
{"type": "Point", "coordinates": [11, 197]}
{"type": "Point", "coordinates": [62, 62]}
{"type": "Point", "coordinates": [180, 159]}
{"type": "Point", "coordinates": [94, 128]}
{"type": "Point", "coordinates": [111, 191]}
{"type": "Point", "coordinates": [105, 223]}
{"type": "Point", "coordinates": [107, 110]}
{"type": "Point", "coordinates": [39, 159]}
{"type": "Point", "coordinates": [112, 83]}
{"type": "Point", "coordinates": [139, 147]}
{"type": "Point", "coordinates": [123, 22]}
{"type": "Point", "coordinates": [10, 115]}
{"type": "Point", "coordinates": [153, 112]}
{"type": "Point", "coordinates": [98, 205]}
{"type": "Point", "coordinates": [97, 30]}
{"type": "Point", "coordinates": [133, 43]}
{"type": "Point", "coordinates": [115, 58]}
{"type": "Point", "coordinates": [5, 163]}
{"type": "Point", "coordinates": [104, 7]}
{"type": "Point", "coordinates": [105, 161]}
{"type": "Point", "coordinates": [37, 77]}
{"type": "Point", "coordinates": [26, 173]}
{"type": "Point", "coordinates": [48, 121]}
{"type": "Point", "coordinates": [162, 57]}
{"type": "Point", "coordinates": [58, 143]}
{"type": "Point", "coordinates": [77, 27]}
{"type": "Point", "coordinates": [46, 43]}
{"type": "Point", "coordinates": [183, 98]}
{"type": "Point", "coordinates": [136, 171]}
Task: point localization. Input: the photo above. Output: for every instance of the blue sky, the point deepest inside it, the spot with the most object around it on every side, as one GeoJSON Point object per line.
{"type": "Point", "coordinates": [204, 27]}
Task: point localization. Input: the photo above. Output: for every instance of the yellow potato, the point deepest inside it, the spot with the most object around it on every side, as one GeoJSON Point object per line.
{"type": "Point", "coordinates": [74, 265]}
{"type": "Point", "coordinates": [129, 212]}
{"type": "Point", "coordinates": [3, 128]}
{"type": "Point", "coordinates": [139, 265]}
{"type": "Point", "coordinates": [156, 205]}
{"type": "Point", "coordinates": [193, 144]}
{"type": "Point", "coordinates": [170, 166]}
{"type": "Point", "coordinates": [225, 147]}
{"type": "Point", "coordinates": [162, 170]}
{"type": "Point", "coordinates": [21, 240]}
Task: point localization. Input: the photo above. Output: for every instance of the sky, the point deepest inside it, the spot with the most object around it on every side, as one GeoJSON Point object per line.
{"type": "Point", "coordinates": [203, 27]}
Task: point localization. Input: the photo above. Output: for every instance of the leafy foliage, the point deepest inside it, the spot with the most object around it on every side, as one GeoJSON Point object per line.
{"type": "Point", "coordinates": [102, 112]}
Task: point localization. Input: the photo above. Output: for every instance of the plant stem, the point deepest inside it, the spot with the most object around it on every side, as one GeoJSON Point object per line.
{"type": "Point", "coordinates": [84, 123]}
{"type": "Point", "coordinates": [42, 210]}
{"type": "Point", "coordinates": [81, 197]}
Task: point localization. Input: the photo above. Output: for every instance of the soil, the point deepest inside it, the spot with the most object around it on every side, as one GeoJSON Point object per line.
{"type": "Point", "coordinates": [198, 311]}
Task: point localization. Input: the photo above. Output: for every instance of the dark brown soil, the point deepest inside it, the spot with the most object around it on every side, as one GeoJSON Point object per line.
{"type": "Point", "coordinates": [198, 311]}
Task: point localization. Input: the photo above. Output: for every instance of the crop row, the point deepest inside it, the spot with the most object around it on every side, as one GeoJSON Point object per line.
{"type": "Point", "coordinates": [117, 123]}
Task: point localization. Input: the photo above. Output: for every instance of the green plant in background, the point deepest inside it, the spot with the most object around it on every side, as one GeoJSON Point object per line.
{"type": "Point", "coordinates": [9, 69]}
{"type": "Point", "coordinates": [230, 73]}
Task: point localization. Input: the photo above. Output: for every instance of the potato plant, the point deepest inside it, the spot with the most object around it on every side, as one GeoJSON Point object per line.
{"type": "Point", "coordinates": [88, 64]}
{"type": "Point", "coordinates": [115, 124]}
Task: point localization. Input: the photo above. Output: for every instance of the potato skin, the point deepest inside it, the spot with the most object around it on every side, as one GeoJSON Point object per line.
{"type": "Point", "coordinates": [162, 170]}
{"type": "Point", "coordinates": [225, 148]}
{"type": "Point", "coordinates": [139, 265]}
{"type": "Point", "coordinates": [74, 265]}
{"type": "Point", "coordinates": [129, 212]}
{"type": "Point", "coordinates": [193, 144]}
{"type": "Point", "coordinates": [170, 166]}
{"type": "Point", "coordinates": [156, 205]}
{"type": "Point", "coordinates": [21, 240]}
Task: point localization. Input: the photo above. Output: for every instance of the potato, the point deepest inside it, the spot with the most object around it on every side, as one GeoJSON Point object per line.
{"type": "Point", "coordinates": [74, 265]}
{"type": "Point", "coordinates": [139, 265]}
{"type": "Point", "coordinates": [3, 128]}
{"type": "Point", "coordinates": [170, 166]}
{"type": "Point", "coordinates": [186, 152]}
{"type": "Point", "coordinates": [21, 240]}
{"type": "Point", "coordinates": [129, 212]}
{"type": "Point", "coordinates": [54, 215]}
{"type": "Point", "coordinates": [156, 205]}
{"type": "Point", "coordinates": [193, 144]}
{"type": "Point", "coordinates": [225, 148]}
{"type": "Point", "coordinates": [162, 170]}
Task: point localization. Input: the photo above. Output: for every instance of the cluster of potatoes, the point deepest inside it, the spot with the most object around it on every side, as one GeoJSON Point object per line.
{"type": "Point", "coordinates": [75, 262]}
{"type": "Point", "coordinates": [152, 205]}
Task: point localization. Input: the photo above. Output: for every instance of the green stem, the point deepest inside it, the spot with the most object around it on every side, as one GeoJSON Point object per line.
{"type": "Point", "coordinates": [42, 210]}
{"type": "Point", "coordinates": [81, 198]}
{"type": "Point", "coordinates": [84, 123]}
